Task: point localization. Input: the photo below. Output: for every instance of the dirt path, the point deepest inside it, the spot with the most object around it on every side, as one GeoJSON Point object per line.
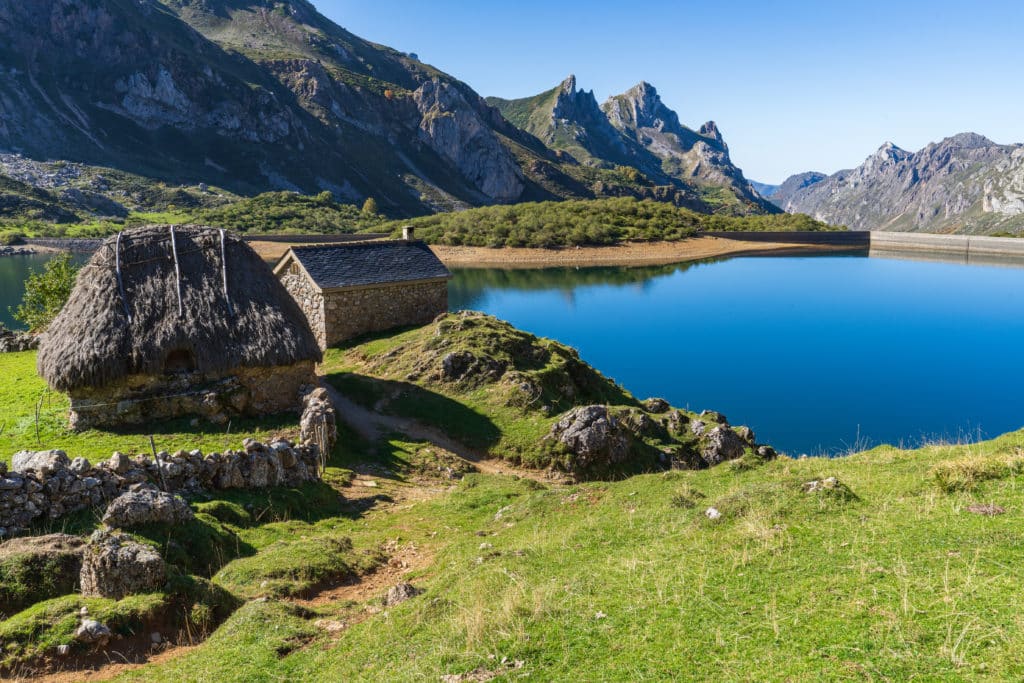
{"type": "Point", "coordinates": [105, 671]}
{"type": "Point", "coordinates": [372, 426]}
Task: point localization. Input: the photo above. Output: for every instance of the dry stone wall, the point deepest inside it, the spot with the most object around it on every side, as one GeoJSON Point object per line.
{"type": "Point", "coordinates": [49, 485]}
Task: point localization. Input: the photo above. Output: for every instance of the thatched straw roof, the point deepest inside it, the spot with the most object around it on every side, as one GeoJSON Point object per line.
{"type": "Point", "coordinates": [93, 342]}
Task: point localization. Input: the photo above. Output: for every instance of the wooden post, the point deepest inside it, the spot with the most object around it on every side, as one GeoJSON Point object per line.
{"type": "Point", "coordinates": [177, 273]}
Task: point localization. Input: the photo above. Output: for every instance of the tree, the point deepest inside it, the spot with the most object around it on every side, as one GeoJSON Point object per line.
{"type": "Point", "coordinates": [370, 206]}
{"type": "Point", "coordinates": [46, 292]}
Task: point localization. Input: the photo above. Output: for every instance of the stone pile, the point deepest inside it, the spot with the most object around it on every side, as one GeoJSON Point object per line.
{"type": "Point", "coordinates": [319, 422]}
{"type": "Point", "coordinates": [16, 251]}
{"type": "Point", "coordinates": [47, 484]}
{"type": "Point", "coordinates": [11, 341]}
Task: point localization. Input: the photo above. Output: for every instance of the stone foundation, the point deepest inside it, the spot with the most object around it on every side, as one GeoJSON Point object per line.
{"type": "Point", "coordinates": [138, 399]}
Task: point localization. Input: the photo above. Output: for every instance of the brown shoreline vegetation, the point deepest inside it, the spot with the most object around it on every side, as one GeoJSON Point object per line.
{"type": "Point", "coordinates": [627, 254]}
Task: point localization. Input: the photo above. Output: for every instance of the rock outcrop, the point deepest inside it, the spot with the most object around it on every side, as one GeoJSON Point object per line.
{"type": "Point", "coordinates": [635, 129]}
{"type": "Point", "coordinates": [593, 435]}
{"type": "Point", "coordinates": [965, 183]}
{"type": "Point", "coordinates": [114, 566]}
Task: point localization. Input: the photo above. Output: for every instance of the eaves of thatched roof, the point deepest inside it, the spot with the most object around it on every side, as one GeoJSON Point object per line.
{"type": "Point", "coordinates": [215, 300]}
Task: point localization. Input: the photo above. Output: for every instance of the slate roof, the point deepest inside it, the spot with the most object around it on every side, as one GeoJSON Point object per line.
{"type": "Point", "coordinates": [357, 264]}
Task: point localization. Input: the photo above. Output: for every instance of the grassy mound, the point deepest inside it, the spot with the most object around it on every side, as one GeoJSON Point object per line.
{"type": "Point", "coordinates": [500, 390]}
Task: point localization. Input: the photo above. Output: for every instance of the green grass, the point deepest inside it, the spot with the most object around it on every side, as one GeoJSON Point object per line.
{"type": "Point", "coordinates": [887, 575]}
{"type": "Point", "coordinates": [45, 625]}
{"type": "Point", "coordinates": [619, 581]}
{"type": "Point", "coordinates": [23, 390]}
{"type": "Point", "coordinates": [506, 413]}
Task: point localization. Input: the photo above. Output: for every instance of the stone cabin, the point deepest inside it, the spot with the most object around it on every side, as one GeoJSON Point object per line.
{"type": "Point", "coordinates": [171, 321]}
{"type": "Point", "coordinates": [353, 288]}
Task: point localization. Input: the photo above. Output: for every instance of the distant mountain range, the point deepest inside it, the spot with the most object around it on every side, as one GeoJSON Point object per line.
{"type": "Point", "coordinates": [963, 184]}
{"type": "Point", "coordinates": [257, 95]}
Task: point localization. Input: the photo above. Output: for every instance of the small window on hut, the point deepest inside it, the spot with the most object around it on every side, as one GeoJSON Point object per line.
{"type": "Point", "coordinates": [293, 268]}
{"type": "Point", "coordinates": [179, 361]}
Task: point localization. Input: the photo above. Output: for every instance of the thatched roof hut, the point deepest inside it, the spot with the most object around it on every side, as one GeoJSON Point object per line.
{"type": "Point", "coordinates": [161, 300]}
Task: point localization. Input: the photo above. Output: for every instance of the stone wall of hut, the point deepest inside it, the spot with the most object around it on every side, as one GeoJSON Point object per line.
{"type": "Point", "coordinates": [310, 300]}
{"type": "Point", "coordinates": [349, 313]}
{"type": "Point", "coordinates": [245, 391]}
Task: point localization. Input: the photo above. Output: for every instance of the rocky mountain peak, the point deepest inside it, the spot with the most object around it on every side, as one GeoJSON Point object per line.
{"type": "Point", "coordinates": [967, 141]}
{"type": "Point", "coordinates": [964, 183]}
{"type": "Point", "coordinates": [710, 130]}
{"type": "Point", "coordinates": [568, 86]}
{"type": "Point", "coordinates": [888, 153]}
{"type": "Point", "coordinates": [574, 105]}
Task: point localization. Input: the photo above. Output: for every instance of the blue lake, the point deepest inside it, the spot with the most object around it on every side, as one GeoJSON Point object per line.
{"type": "Point", "coordinates": [816, 354]}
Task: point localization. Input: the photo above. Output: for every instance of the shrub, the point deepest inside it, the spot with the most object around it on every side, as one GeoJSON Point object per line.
{"type": "Point", "coordinates": [46, 292]}
{"type": "Point", "coordinates": [964, 474]}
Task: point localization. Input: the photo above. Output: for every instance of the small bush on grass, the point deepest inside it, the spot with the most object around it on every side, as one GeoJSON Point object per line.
{"type": "Point", "coordinates": [964, 474]}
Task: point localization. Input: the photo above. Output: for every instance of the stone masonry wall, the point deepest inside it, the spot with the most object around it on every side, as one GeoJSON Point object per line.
{"type": "Point", "coordinates": [50, 485]}
{"type": "Point", "coordinates": [310, 300]}
{"type": "Point", "coordinates": [138, 399]}
{"type": "Point", "coordinates": [352, 312]}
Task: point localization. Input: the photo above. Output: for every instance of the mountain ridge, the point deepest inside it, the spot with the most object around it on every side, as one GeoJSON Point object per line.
{"type": "Point", "coordinates": [261, 95]}
{"type": "Point", "coordinates": [965, 183]}
{"type": "Point", "coordinates": [633, 129]}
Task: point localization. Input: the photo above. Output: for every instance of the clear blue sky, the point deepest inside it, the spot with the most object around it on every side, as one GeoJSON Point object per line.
{"type": "Point", "coordinates": [794, 86]}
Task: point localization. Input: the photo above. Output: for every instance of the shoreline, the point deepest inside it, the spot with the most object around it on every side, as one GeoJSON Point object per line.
{"type": "Point", "coordinates": [628, 254]}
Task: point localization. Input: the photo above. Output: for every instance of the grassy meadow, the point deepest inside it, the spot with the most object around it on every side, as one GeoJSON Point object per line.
{"type": "Point", "coordinates": [906, 567]}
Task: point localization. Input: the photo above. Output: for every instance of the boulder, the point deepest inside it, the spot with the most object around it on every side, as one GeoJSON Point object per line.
{"type": "Point", "coordinates": [593, 435]}
{"type": "Point", "coordinates": [93, 632]}
{"type": "Point", "coordinates": [43, 463]}
{"type": "Point", "coordinates": [318, 423]}
{"type": "Point", "coordinates": [721, 444]}
{"type": "Point", "coordinates": [656, 405]}
{"type": "Point", "coordinates": [400, 593]}
{"type": "Point", "coordinates": [146, 506]}
{"type": "Point", "coordinates": [746, 434]}
{"type": "Point", "coordinates": [114, 566]}
{"type": "Point", "coordinates": [80, 466]}
{"type": "Point", "coordinates": [119, 463]}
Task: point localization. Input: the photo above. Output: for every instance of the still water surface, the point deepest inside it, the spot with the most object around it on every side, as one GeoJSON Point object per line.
{"type": "Point", "coordinates": [14, 270]}
{"type": "Point", "coordinates": [816, 354]}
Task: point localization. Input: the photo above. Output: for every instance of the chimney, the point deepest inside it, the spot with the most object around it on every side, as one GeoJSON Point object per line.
{"type": "Point", "coordinates": [408, 232]}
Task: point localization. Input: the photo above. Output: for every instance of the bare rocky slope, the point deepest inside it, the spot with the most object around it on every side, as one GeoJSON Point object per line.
{"type": "Point", "coordinates": [963, 184]}
{"type": "Point", "coordinates": [258, 95]}
{"type": "Point", "coordinates": [637, 130]}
